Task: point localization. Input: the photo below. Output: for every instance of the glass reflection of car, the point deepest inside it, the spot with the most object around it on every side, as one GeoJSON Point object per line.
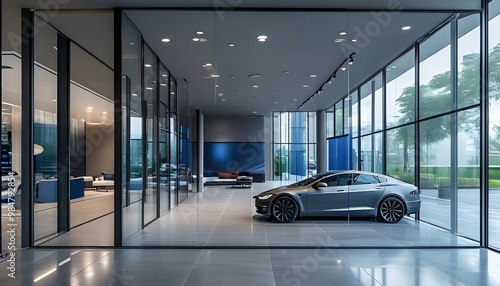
{"type": "Point", "coordinates": [14, 179]}
{"type": "Point", "coordinates": [341, 193]}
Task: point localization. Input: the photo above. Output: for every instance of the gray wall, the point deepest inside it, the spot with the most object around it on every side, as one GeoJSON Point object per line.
{"type": "Point", "coordinates": [234, 129]}
{"type": "Point", "coordinates": [11, 28]}
{"type": "Point", "coordinates": [100, 149]}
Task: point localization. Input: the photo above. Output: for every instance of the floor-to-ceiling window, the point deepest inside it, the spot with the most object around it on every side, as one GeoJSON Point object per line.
{"type": "Point", "coordinates": [494, 124]}
{"type": "Point", "coordinates": [294, 153]}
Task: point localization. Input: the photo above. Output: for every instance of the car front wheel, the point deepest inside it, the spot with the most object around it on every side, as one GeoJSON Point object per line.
{"type": "Point", "coordinates": [391, 210]}
{"type": "Point", "coordinates": [284, 209]}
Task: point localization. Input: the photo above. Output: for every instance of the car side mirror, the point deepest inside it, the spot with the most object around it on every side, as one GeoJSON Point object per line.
{"type": "Point", "coordinates": [320, 185]}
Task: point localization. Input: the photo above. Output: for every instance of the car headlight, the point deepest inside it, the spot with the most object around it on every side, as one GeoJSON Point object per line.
{"type": "Point", "coordinates": [265, 197]}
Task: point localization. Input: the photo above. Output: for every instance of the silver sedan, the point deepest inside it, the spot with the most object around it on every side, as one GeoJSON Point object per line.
{"type": "Point", "coordinates": [341, 193]}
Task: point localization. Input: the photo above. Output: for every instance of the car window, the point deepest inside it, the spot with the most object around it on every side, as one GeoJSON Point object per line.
{"type": "Point", "coordinates": [362, 179]}
{"type": "Point", "coordinates": [382, 179]}
{"type": "Point", "coordinates": [344, 180]}
{"type": "Point", "coordinates": [331, 181]}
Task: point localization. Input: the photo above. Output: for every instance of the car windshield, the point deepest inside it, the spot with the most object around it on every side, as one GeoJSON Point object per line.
{"type": "Point", "coordinates": [307, 181]}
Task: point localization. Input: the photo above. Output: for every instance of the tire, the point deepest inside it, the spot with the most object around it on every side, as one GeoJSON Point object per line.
{"type": "Point", "coordinates": [391, 210]}
{"type": "Point", "coordinates": [284, 209]}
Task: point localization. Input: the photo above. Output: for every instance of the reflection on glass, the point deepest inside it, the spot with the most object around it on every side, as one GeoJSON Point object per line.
{"type": "Point", "coordinates": [435, 170]}
{"type": "Point", "coordinates": [355, 155]}
{"type": "Point", "coordinates": [468, 61]}
{"type": "Point", "coordinates": [377, 107]}
{"type": "Point", "coordinates": [174, 153]}
{"type": "Point", "coordinates": [150, 199]}
{"type": "Point", "coordinates": [378, 153]}
{"type": "Point", "coordinates": [468, 153]}
{"type": "Point", "coordinates": [164, 156]}
{"type": "Point", "coordinates": [11, 146]}
{"type": "Point", "coordinates": [435, 76]}
{"type": "Point", "coordinates": [133, 131]}
{"type": "Point", "coordinates": [400, 90]}
{"type": "Point", "coordinates": [45, 132]}
{"type": "Point", "coordinates": [401, 153]}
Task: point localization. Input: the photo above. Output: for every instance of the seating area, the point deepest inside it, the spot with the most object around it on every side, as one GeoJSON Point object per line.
{"type": "Point", "coordinates": [46, 190]}
{"type": "Point", "coordinates": [234, 178]}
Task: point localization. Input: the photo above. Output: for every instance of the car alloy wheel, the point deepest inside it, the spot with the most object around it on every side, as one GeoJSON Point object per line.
{"type": "Point", "coordinates": [391, 210]}
{"type": "Point", "coordinates": [284, 209]}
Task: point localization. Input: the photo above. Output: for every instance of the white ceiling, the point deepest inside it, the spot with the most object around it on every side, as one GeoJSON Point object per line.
{"type": "Point", "coordinates": [301, 42]}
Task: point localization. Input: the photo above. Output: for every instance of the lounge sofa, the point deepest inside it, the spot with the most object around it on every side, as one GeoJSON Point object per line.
{"type": "Point", "coordinates": [46, 190]}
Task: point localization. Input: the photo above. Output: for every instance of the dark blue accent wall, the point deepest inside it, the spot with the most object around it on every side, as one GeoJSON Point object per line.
{"type": "Point", "coordinates": [339, 150]}
{"type": "Point", "coordinates": [298, 153]}
{"type": "Point", "coordinates": [233, 156]}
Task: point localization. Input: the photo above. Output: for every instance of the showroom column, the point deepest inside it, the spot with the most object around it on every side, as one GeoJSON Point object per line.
{"type": "Point", "coordinates": [321, 144]}
{"type": "Point", "coordinates": [201, 140]}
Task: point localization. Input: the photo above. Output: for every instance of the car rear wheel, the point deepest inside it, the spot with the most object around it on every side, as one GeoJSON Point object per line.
{"type": "Point", "coordinates": [391, 210]}
{"type": "Point", "coordinates": [284, 209]}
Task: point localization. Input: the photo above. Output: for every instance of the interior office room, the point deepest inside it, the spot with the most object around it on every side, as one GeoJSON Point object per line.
{"type": "Point", "coordinates": [152, 130]}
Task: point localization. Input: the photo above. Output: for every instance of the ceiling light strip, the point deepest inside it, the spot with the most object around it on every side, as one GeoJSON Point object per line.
{"type": "Point", "coordinates": [330, 79]}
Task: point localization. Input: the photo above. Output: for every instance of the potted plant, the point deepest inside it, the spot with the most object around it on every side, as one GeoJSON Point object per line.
{"type": "Point", "coordinates": [444, 189]}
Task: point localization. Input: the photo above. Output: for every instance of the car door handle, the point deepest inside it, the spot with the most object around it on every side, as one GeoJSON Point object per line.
{"type": "Point", "coordinates": [340, 190]}
{"type": "Point", "coordinates": [378, 188]}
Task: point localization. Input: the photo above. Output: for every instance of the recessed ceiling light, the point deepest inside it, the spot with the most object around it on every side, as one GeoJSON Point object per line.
{"type": "Point", "coordinates": [90, 107]}
{"type": "Point", "coordinates": [254, 112]}
{"type": "Point", "coordinates": [196, 39]}
{"type": "Point", "coordinates": [166, 40]}
{"type": "Point", "coordinates": [233, 76]}
{"type": "Point", "coordinates": [104, 112]}
{"type": "Point", "coordinates": [343, 69]}
{"type": "Point", "coordinates": [164, 75]}
{"type": "Point", "coordinates": [200, 33]}
{"type": "Point", "coordinates": [275, 102]}
{"type": "Point", "coordinates": [134, 94]}
{"type": "Point", "coordinates": [262, 38]}
{"type": "Point", "coordinates": [89, 110]}
{"type": "Point", "coordinates": [305, 85]}
{"type": "Point", "coordinates": [339, 40]}
{"type": "Point", "coordinates": [55, 48]}
{"type": "Point", "coordinates": [286, 72]}
{"type": "Point", "coordinates": [393, 67]}
{"type": "Point", "coordinates": [216, 85]}
{"type": "Point", "coordinates": [223, 99]}
{"type": "Point", "coordinates": [220, 94]}
{"type": "Point", "coordinates": [163, 84]}
{"type": "Point", "coordinates": [147, 65]}
{"type": "Point", "coordinates": [207, 65]}
{"type": "Point", "coordinates": [54, 100]}
{"type": "Point", "coordinates": [203, 40]}
{"type": "Point", "coordinates": [354, 40]}
{"type": "Point", "coordinates": [149, 88]}
{"type": "Point", "coordinates": [255, 86]}
{"type": "Point", "coordinates": [294, 99]}
{"type": "Point", "coordinates": [343, 33]}
{"type": "Point", "coordinates": [406, 28]}
{"type": "Point", "coordinates": [254, 75]}
{"type": "Point", "coordinates": [172, 92]}
{"type": "Point", "coordinates": [313, 75]}
{"type": "Point", "coordinates": [231, 44]}
{"type": "Point", "coordinates": [215, 75]}
{"type": "Point", "coordinates": [131, 43]}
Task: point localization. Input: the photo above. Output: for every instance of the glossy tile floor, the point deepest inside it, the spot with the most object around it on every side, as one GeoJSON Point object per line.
{"type": "Point", "coordinates": [219, 267]}
{"type": "Point", "coordinates": [225, 216]}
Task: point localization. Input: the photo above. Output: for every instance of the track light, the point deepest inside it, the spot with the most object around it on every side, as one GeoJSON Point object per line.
{"type": "Point", "coordinates": [349, 60]}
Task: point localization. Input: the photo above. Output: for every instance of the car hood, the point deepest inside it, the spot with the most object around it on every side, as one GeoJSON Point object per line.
{"type": "Point", "coordinates": [280, 189]}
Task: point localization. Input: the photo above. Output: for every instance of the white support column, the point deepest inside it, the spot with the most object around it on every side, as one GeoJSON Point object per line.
{"type": "Point", "coordinates": [321, 144]}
